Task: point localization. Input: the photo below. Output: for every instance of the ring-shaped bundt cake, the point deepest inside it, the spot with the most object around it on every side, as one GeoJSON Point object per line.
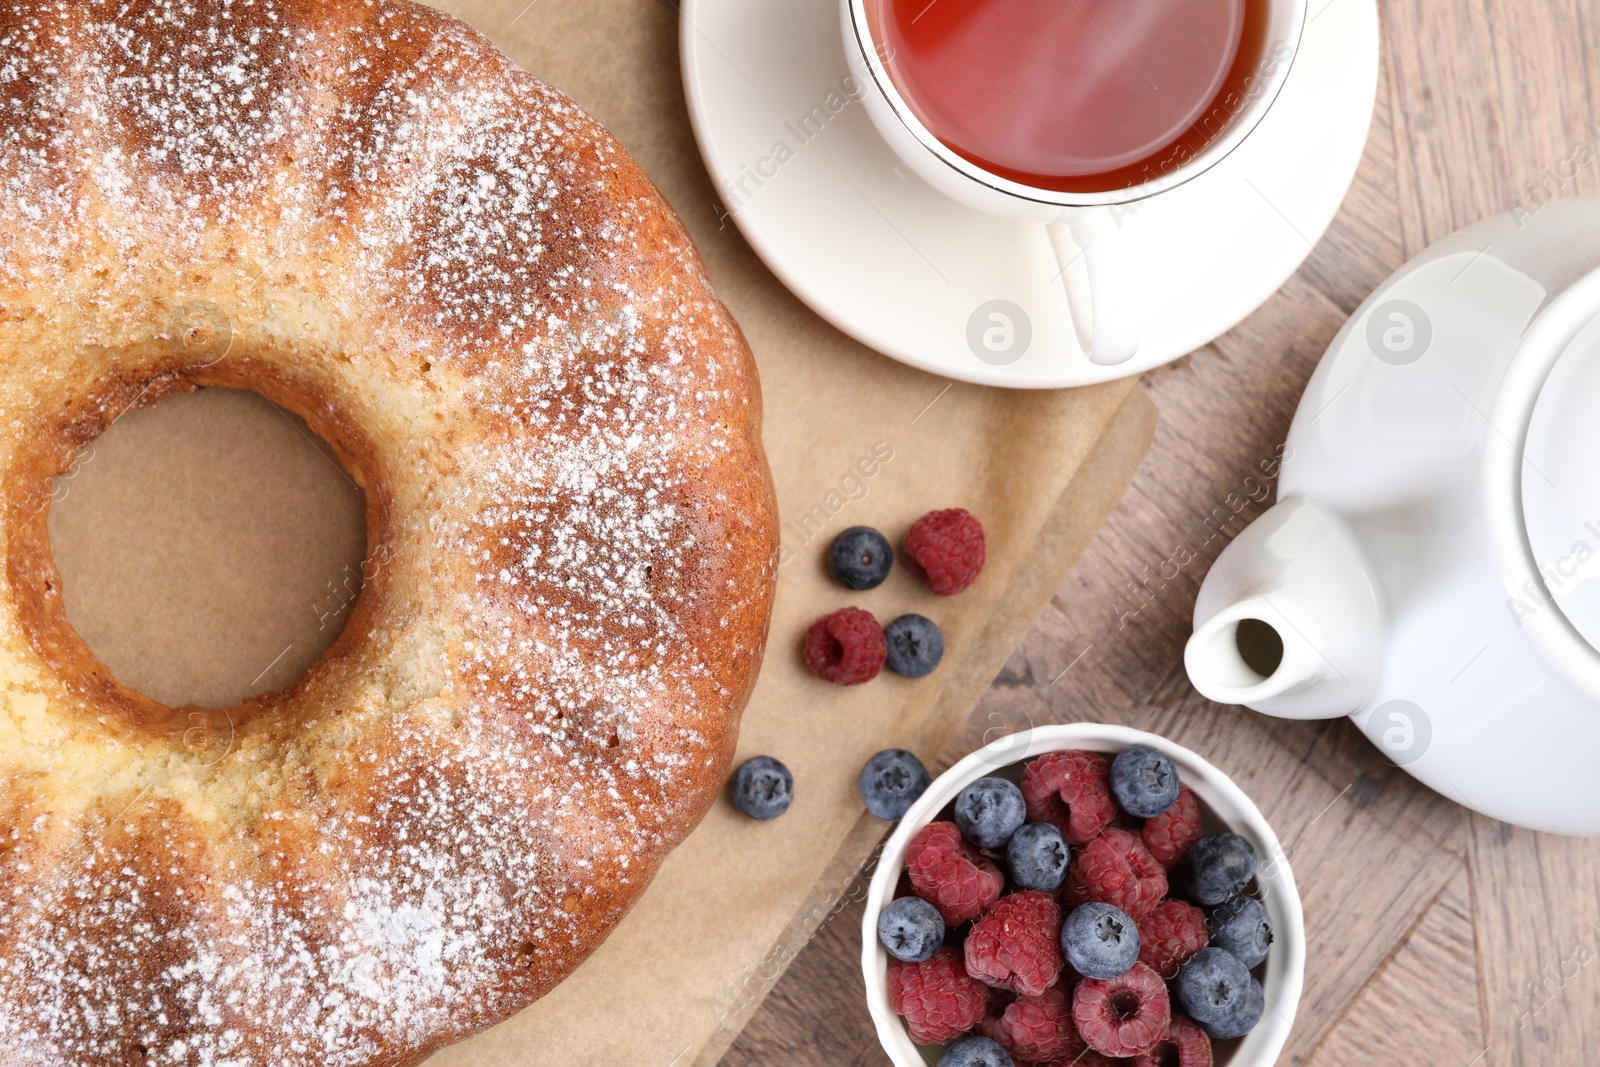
{"type": "Point", "coordinates": [367, 213]}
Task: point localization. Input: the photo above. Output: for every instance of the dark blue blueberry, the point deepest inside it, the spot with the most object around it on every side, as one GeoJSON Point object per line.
{"type": "Point", "coordinates": [916, 646]}
{"type": "Point", "coordinates": [911, 929]}
{"type": "Point", "coordinates": [974, 1052]}
{"type": "Point", "coordinates": [860, 558]}
{"type": "Point", "coordinates": [762, 788]}
{"type": "Point", "coordinates": [1038, 856]}
{"type": "Point", "coordinates": [1099, 940]}
{"type": "Point", "coordinates": [891, 782]}
{"type": "Point", "coordinates": [1218, 867]}
{"type": "Point", "coordinates": [1144, 782]}
{"type": "Point", "coordinates": [1241, 926]}
{"type": "Point", "coordinates": [989, 811]}
{"type": "Point", "coordinates": [1219, 994]}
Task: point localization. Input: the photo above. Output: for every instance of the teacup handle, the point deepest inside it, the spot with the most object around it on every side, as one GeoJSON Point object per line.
{"type": "Point", "coordinates": [1109, 332]}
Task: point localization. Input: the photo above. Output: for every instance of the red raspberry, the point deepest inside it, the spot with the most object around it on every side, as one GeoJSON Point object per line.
{"type": "Point", "coordinates": [950, 874]}
{"type": "Point", "coordinates": [847, 647]}
{"type": "Point", "coordinates": [1170, 934]}
{"type": "Point", "coordinates": [1072, 791]}
{"type": "Point", "coordinates": [1017, 944]}
{"type": "Point", "coordinates": [949, 548]}
{"type": "Point", "coordinates": [1169, 835]}
{"type": "Point", "coordinates": [1116, 868]}
{"type": "Point", "coordinates": [1123, 1016]}
{"type": "Point", "coordinates": [1035, 1029]}
{"type": "Point", "coordinates": [938, 998]}
{"type": "Point", "coordinates": [1186, 1045]}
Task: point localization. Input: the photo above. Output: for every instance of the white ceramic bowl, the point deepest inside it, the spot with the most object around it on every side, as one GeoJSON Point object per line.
{"type": "Point", "coordinates": [1223, 806]}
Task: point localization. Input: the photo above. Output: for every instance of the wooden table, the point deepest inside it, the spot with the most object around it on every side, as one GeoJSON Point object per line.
{"type": "Point", "coordinates": [1436, 935]}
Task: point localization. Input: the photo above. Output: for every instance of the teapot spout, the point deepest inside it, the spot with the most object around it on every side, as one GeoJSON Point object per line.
{"type": "Point", "coordinates": [1288, 621]}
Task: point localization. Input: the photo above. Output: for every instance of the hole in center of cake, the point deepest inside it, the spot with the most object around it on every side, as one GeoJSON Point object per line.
{"type": "Point", "coordinates": [210, 547]}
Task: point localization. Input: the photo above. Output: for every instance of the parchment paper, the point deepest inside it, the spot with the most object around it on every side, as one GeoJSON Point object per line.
{"type": "Point", "coordinates": [852, 437]}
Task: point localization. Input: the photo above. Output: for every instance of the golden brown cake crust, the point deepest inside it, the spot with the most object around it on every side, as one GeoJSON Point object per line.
{"type": "Point", "coordinates": [367, 213]}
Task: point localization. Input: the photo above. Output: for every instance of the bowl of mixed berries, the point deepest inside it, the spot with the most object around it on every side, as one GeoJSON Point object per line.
{"type": "Point", "coordinates": [1082, 896]}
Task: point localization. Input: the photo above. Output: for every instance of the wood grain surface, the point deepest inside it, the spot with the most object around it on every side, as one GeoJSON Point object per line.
{"type": "Point", "coordinates": [1436, 935]}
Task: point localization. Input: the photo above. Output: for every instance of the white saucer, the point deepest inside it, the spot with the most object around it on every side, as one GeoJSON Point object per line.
{"type": "Point", "coordinates": [905, 270]}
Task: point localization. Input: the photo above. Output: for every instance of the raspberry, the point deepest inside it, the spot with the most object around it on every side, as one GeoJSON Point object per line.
{"type": "Point", "coordinates": [846, 648]}
{"type": "Point", "coordinates": [950, 874]}
{"type": "Point", "coordinates": [1017, 944]}
{"type": "Point", "coordinates": [1169, 835]}
{"type": "Point", "coordinates": [1170, 934]}
{"type": "Point", "coordinates": [1123, 1016]}
{"type": "Point", "coordinates": [1186, 1045]}
{"type": "Point", "coordinates": [1115, 868]}
{"type": "Point", "coordinates": [949, 548]}
{"type": "Point", "coordinates": [1072, 792]}
{"type": "Point", "coordinates": [937, 997]}
{"type": "Point", "coordinates": [1035, 1029]}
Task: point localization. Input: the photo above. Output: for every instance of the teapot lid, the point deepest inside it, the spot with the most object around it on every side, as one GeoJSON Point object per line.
{"type": "Point", "coordinates": [1560, 479]}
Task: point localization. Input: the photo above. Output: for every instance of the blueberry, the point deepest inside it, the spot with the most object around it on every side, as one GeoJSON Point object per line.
{"type": "Point", "coordinates": [1219, 994]}
{"type": "Point", "coordinates": [1241, 926]}
{"type": "Point", "coordinates": [974, 1052]}
{"type": "Point", "coordinates": [1218, 867]}
{"type": "Point", "coordinates": [860, 558]}
{"type": "Point", "coordinates": [1144, 781]}
{"type": "Point", "coordinates": [1100, 941]}
{"type": "Point", "coordinates": [989, 811]}
{"type": "Point", "coordinates": [762, 788]}
{"type": "Point", "coordinates": [915, 646]}
{"type": "Point", "coordinates": [1038, 856]}
{"type": "Point", "coordinates": [911, 929]}
{"type": "Point", "coordinates": [891, 782]}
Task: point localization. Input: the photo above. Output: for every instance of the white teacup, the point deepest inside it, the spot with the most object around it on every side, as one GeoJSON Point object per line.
{"type": "Point", "coordinates": [1081, 225]}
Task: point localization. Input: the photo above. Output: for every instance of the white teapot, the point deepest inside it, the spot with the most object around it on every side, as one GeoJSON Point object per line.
{"type": "Point", "coordinates": [1432, 566]}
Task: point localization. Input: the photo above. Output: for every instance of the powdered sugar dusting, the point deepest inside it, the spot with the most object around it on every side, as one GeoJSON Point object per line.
{"type": "Point", "coordinates": [578, 565]}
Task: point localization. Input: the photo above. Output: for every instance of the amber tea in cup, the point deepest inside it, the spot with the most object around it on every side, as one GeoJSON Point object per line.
{"type": "Point", "coordinates": [1075, 95]}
